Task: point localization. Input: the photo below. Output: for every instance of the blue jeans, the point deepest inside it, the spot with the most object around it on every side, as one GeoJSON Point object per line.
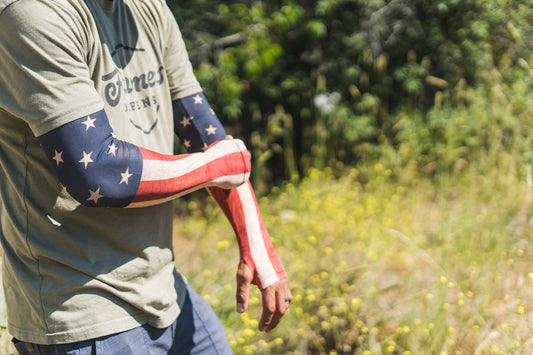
{"type": "Point", "coordinates": [197, 330]}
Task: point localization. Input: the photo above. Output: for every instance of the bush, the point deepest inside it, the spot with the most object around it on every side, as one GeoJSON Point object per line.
{"type": "Point", "coordinates": [386, 60]}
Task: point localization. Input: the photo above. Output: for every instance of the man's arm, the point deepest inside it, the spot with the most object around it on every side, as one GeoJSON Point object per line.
{"type": "Point", "coordinates": [197, 126]}
{"type": "Point", "coordinates": [97, 169]}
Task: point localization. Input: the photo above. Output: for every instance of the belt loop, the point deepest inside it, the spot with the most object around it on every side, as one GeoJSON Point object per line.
{"type": "Point", "coordinates": [30, 348]}
{"type": "Point", "coordinates": [25, 348]}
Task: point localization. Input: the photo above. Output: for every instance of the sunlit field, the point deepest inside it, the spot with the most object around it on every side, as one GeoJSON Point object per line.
{"type": "Point", "coordinates": [381, 268]}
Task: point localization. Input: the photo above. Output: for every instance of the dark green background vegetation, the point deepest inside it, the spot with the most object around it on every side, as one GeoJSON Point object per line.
{"type": "Point", "coordinates": [391, 64]}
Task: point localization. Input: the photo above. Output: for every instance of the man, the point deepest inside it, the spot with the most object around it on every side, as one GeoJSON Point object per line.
{"type": "Point", "coordinates": [92, 93]}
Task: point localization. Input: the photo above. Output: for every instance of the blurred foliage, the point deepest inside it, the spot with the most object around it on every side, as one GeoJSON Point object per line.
{"type": "Point", "coordinates": [394, 68]}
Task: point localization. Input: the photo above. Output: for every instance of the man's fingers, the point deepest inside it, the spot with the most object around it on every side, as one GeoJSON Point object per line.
{"type": "Point", "coordinates": [269, 309]}
{"type": "Point", "coordinates": [276, 300]}
{"type": "Point", "coordinates": [244, 280]}
{"type": "Point", "coordinates": [287, 292]}
{"type": "Point", "coordinates": [243, 291]}
{"type": "Point", "coordinates": [282, 305]}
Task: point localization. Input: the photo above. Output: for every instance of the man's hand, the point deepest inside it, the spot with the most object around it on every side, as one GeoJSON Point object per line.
{"type": "Point", "coordinates": [276, 298]}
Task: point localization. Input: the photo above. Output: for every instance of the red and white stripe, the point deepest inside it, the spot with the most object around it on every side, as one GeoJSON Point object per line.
{"type": "Point", "coordinates": [255, 246]}
{"type": "Point", "coordinates": [165, 177]}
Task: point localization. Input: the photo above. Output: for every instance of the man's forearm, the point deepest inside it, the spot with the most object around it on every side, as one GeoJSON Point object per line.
{"type": "Point", "coordinates": [240, 207]}
{"type": "Point", "coordinates": [198, 126]}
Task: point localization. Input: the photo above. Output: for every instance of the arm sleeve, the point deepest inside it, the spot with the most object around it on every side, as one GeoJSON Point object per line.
{"type": "Point", "coordinates": [99, 170]}
{"type": "Point", "coordinates": [197, 126]}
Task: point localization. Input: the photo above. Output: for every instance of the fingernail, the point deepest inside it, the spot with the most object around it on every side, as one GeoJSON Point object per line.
{"type": "Point", "coordinates": [240, 307]}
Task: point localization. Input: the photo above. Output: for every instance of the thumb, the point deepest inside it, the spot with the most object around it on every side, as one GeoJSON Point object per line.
{"type": "Point", "coordinates": [244, 280]}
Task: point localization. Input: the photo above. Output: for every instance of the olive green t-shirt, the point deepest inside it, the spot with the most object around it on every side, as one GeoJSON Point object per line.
{"type": "Point", "coordinates": [71, 272]}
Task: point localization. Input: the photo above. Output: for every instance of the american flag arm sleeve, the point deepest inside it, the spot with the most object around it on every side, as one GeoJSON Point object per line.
{"type": "Point", "coordinates": [99, 170]}
{"type": "Point", "coordinates": [197, 126]}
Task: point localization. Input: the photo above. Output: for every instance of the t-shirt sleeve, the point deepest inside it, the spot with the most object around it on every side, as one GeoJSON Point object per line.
{"type": "Point", "coordinates": [178, 67]}
{"type": "Point", "coordinates": [44, 77]}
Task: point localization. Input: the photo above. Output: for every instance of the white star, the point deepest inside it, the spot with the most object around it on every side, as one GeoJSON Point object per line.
{"type": "Point", "coordinates": [125, 176]}
{"type": "Point", "coordinates": [197, 99]}
{"type": "Point", "coordinates": [113, 135]}
{"type": "Point", "coordinates": [186, 121]}
{"type": "Point", "coordinates": [89, 123]}
{"type": "Point", "coordinates": [112, 149]}
{"type": "Point", "coordinates": [95, 195]}
{"type": "Point", "coordinates": [211, 110]}
{"type": "Point", "coordinates": [204, 147]}
{"type": "Point", "coordinates": [211, 130]}
{"type": "Point", "coordinates": [86, 159]}
{"type": "Point", "coordinates": [187, 143]}
{"type": "Point", "coordinates": [57, 157]}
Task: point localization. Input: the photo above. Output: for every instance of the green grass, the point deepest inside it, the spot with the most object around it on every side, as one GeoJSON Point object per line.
{"type": "Point", "coordinates": [382, 268]}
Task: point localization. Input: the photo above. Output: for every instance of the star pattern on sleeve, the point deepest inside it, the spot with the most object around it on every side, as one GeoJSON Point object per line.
{"type": "Point", "coordinates": [197, 99]}
{"type": "Point", "coordinates": [211, 130]}
{"type": "Point", "coordinates": [92, 165]}
{"type": "Point", "coordinates": [57, 157]}
{"type": "Point", "coordinates": [95, 196]}
{"type": "Point", "coordinates": [186, 121]}
{"type": "Point", "coordinates": [202, 131]}
{"type": "Point", "coordinates": [86, 159]}
{"type": "Point", "coordinates": [89, 122]}
{"type": "Point", "coordinates": [112, 149]}
{"type": "Point", "coordinates": [125, 176]}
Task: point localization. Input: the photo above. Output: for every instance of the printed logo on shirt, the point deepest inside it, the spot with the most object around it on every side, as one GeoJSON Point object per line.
{"type": "Point", "coordinates": [132, 93]}
{"type": "Point", "coordinates": [117, 84]}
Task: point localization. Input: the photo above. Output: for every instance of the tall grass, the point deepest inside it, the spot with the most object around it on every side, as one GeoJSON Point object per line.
{"type": "Point", "coordinates": [382, 268]}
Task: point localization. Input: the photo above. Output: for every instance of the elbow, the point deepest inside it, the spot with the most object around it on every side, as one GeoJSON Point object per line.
{"type": "Point", "coordinates": [101, 188]}
{"type": "Point", "coordinates": [87, 192]}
